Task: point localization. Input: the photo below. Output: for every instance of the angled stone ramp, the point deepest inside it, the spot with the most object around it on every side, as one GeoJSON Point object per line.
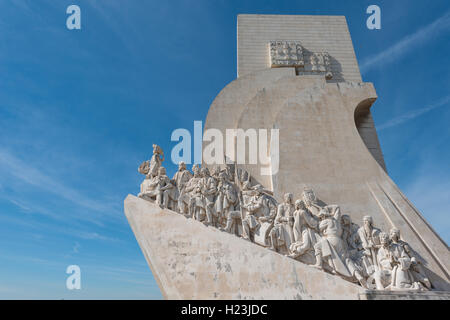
{"type": "Point", "coordinates": [428, 248]}
{"type": "Point", "coordinates": [192, 261]}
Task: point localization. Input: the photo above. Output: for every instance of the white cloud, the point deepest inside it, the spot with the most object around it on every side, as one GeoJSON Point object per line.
{"type": "Point", "coordinates": [26, 173]}
{"type": "Point", "coordinates": [407, 43]}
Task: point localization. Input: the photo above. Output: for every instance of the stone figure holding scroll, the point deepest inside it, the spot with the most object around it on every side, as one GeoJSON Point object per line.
{"type": "Point", "coordinates": [394, 267]}
{"type": "Point", "coordinates": [370, 242]}
{"type": "Point", "coordinates": [282, 235]}
{"type": "Point", "coordinates": [416, 267]}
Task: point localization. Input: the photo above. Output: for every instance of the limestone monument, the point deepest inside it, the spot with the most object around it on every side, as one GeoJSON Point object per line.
{"type": "Point", "coordinates": [328, 223]}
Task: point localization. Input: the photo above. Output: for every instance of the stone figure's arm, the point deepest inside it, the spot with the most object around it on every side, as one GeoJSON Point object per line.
{"type": "Point", "coordinates": [323, 225]}
{"type": "Point", "coordinates": [174, 178]}
{"type": "Point", "coordinates": [153, 183]}
{"type": "Point", "coordinates": [272, 210]}
{"type": "Point", "coordinates": [384, 261]}
{"type": "Point", "coordinates": [404, 260]}
{"type": "Point", "coordinates": [168, 185]}
{"type": "Point", "coordinates": [409, 252]}
{"type": "Point", "coordinates": [253, 207]}
{"type": "Point", "coordinates": [336, 211]}
{"type": "Point", "coordinates": [189, 187]}
{"type": "Point", "coordinates": [212, 188]}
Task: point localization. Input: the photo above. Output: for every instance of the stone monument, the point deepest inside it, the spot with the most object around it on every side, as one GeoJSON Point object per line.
{"type": "Point", "coordinates": [328, 223]}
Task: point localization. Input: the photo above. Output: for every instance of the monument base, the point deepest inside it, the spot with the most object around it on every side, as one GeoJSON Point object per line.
{"type": "Point", "coordinates": [192, 261]}
{"type": "Point", "coordinates": [404, 295]}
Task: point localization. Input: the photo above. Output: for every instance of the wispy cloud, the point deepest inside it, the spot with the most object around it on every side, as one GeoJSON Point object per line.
{"type": "Point", "coordinates": [407, 43]}
{"type": "Point", "coordinates": [45, 228]}
{"type": "Point", "coordinates": [414, 114]}
{"type": "Point", "coordinates": [27, 174]}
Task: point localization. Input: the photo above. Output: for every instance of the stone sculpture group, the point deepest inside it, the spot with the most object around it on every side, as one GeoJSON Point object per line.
{"type": "Point", "coordinates": [307, 230]}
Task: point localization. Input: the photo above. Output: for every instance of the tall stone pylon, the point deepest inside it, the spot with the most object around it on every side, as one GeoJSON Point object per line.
{"type": "Point", "coordinates": [298, 75]}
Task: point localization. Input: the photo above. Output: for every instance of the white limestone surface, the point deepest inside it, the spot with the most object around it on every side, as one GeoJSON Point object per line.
{"type": "Point", "coordinates": [192, 261]}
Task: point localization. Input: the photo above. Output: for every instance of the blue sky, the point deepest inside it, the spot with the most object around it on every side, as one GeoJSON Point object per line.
{"type": "Point", "coordinates": [79, 111]}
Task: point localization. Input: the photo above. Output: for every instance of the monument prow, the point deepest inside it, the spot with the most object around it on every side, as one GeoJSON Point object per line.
{"type": "Point", "coordinates": [232, 231]}
{"type": "Point", "coordinates": [192, 261]}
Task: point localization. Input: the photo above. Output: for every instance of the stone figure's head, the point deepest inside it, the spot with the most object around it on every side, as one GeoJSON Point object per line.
{"type": "Point", "coordinates": [161, 171]}
{"type": "Point", "coordinates": [300, 205]}
{"type": "Point", "coordinates": [288, 198]}
{"type": "Point", "coordinates": [367, 221]}
{"type": "Point", "coordinates": [346, 220]}
{"type": "Point", "coordinates": [196, 170]}
{"type": "Point", "coordinates": [222, 176]}
{"type": "Point", "coordinates": [246, 185]}
{"type": "Point", "coordinates": [181, 166]}
{"type": "Point", "coordinates": [394, 234]}
{"type": "Point", "coordinates": [384, 239]}
{"type": "Point", "coordinates": [157, 149]}
{"type": "Point", "coordinates": [215, 171]}
{"type": "Point", "coordinates": [243, 175]}
{"type": "Point", "coordinates": [204, 172]}
{"type": "Point", "coordinates": [308, 196]}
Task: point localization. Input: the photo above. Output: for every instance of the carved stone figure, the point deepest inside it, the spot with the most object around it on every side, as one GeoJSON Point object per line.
{"type": "Point", "coordinates": [394, 264]}
{"type": "Point", "coordinates": [416, 267]}
{"type": "Point", "coordinates": [311, 201]}
{"type": "Point", "coordinates": [332, 249]}
{"type": "Point", "coordinates": [305, 234]}
{"type": "Point", "coordinates": [235, 217]}
{"type": "Point", "coordinates": [227, 198]}
{"type": "Point", "coordinates": [208, 186]}
{"type": "Point", "coordinates": [309, 231]}
{"type": "Point", "coordinates": [354, 246]}
{"type": "Point", "coordinates": [259, 209]}
{"type": "Point", "coordinates": [282, 233]}
{"type": "Point", "coordinates": [370, 242]}
{"type": "Point", "coordinates": [181, 177]}
{"type": "Point", "coordinates": [186, 200]}
{"type": "Point", "coordinates": [157, 188]}
{"type": "Point", "coordinates": [150, 167]}
{"type": "Point", "coordinates": [350, 233]}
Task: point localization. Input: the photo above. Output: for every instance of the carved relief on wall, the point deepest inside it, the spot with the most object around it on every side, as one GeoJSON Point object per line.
{"type": "Point", "coordinates": [292, 54]}
{"type": "Point", "coordinates": [320, 62]}
{"type": "Point", "coordinates": [286, 54]}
